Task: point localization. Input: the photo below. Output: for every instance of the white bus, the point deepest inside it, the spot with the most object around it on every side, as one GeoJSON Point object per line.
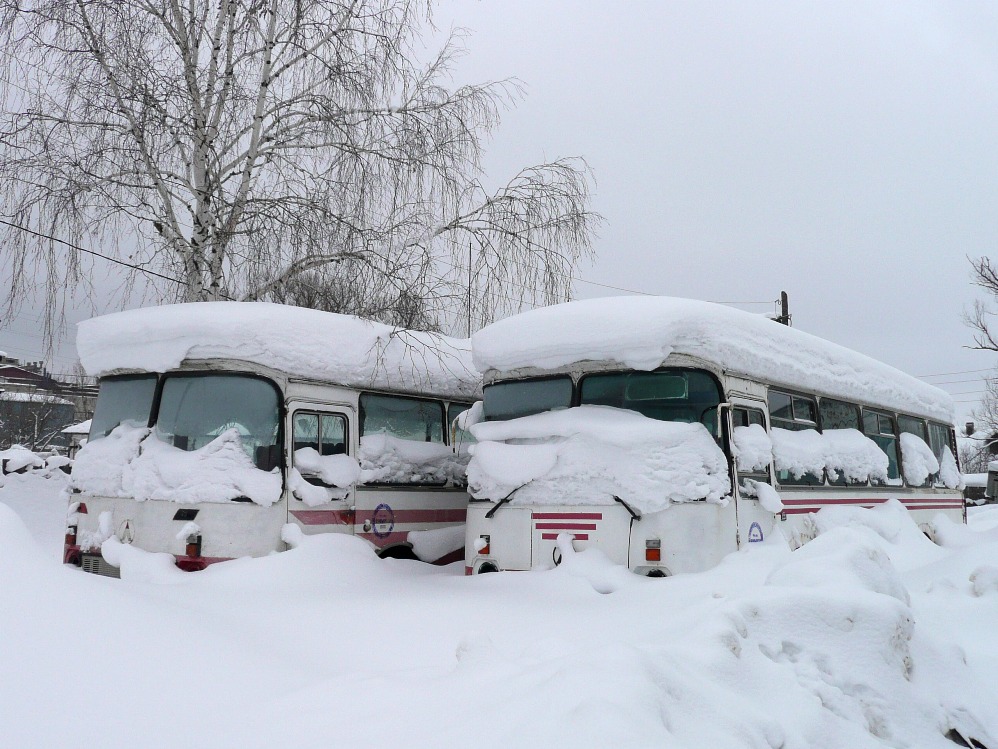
{"type": "Point", "coordinates": [219, 423]}
{"type": "Point", "coordinates": [669, 432]}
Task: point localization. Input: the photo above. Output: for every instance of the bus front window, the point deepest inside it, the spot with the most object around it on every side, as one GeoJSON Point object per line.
{"type": "Point", "coordinates": [688, 395]}
{"type": "Point", "coordinates": [196, 409]}
{"type": "Point", "coordinates": [122, 400]}
{"type": "Point", "coordinates": [511, 400]}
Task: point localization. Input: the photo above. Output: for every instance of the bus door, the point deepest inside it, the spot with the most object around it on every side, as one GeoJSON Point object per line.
{"type": "Point", "coordinates": [322, 499]}
{"type": "Point", "coordinates": [754, 522]}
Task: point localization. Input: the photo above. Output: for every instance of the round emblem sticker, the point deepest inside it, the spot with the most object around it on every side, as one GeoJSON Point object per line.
{"type": "Point", "coordinates": [383, 521]}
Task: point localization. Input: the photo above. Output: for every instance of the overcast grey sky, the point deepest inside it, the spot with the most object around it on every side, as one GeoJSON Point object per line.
{"type": "Point", "coordinates": [841, 151]}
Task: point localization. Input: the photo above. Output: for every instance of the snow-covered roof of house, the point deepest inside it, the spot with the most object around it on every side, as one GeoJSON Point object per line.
{"type": "Point", "coordinates": [8, 395]}
{"type": "Point", "coordinates": [975, 479]}
{"type": "Point", "coordinates": [82, 428]}
{"type": "Point", "coordinates": [301, 342]}
{"type": "Point", "coordinates": [641, 332]}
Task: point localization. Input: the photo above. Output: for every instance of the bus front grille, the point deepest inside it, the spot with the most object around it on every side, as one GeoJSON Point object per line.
{"type": "Point", "coordinates": [95, 565]}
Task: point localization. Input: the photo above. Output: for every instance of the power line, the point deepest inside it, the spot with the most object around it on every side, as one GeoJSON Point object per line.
{"type": "Point", "coordinates": [947, 374]}
{"type": "Point", "coordinates": [101, 255]}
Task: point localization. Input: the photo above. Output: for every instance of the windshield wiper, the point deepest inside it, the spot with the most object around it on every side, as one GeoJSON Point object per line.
{"type": "Point", "coordinates": [634, 513]}
{"type": "Point", "coordinates": [504, 500]}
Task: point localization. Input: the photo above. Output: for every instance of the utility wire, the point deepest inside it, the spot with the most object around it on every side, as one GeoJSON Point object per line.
{"type": "Point", "coordinates": [101, 255]}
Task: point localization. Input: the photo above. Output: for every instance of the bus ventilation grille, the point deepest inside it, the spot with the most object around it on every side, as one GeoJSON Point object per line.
{"type": "Point", "coordinates": [95, 565]}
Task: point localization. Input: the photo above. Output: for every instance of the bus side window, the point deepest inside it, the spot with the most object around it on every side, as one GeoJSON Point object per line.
{"type": "Point", "coordinates": [744, 417]}
{"type": "Point", "coordinates": [879, 427]}
{"type": "Point", "coordinates": [794, 413]}
{"type": "Point", "coordinates": [939, 440]}
{"type": "Point", "coordinates": [324, 433]}
{"type": "Point", "coordinates": [836, 414]}
{"type": "Point", "coordinates": [916, 426]}
{"type": "Point", "coordinates": [402, 440]}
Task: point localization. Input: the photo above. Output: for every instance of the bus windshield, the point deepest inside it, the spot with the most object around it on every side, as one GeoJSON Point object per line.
{"type": "Point", "coordinates": [689, 395]}
{"type": "Point", "coordinates": [196, 409]}
{"type": "Point", "coordinates": [510, 400]}
{"type": "Point", "coordinates": [122, 400]}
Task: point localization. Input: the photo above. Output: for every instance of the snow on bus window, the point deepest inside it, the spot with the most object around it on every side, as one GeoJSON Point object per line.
{"type": "Point", "coordinates": [752, 447]}
{"type": "Point", "coordinates": [917, 461]}
{"type": "Point", "coordinates": [949, 474]}
{"type": "Point", "coordinates": [322, 470]}
{"type": "Point", "coordinates": [916, 455]}
{"type": "Point", "coordinates": [402, 442]}
{"type": "Point", "coordinates": [591, 454]}
{"type": "Point", "coordinates": [845, 454]}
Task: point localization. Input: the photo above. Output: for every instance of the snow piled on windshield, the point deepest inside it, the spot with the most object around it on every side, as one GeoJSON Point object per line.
{"type": "Point", "coordinates": [589, 454]}
{"type": "Point", "coordinates": [302, 342]}
{"type": "Point", "coordinates": [132, 462]}
{"type": "Point", "coordinates": [868, 637]}
{"type": "Point", "coordinates": [641, 332]}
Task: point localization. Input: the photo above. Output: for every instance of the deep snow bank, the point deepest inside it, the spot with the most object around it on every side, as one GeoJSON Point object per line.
{"type": "Point", "coordinates": [869, 636]}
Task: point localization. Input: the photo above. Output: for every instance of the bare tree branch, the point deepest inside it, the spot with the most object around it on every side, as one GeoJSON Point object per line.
{"type": "Point", "coordinates": [295, 151]}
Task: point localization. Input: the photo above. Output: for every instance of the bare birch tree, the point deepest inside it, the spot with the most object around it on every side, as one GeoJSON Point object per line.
{"type": "Point", "coordinates": [300, 151]}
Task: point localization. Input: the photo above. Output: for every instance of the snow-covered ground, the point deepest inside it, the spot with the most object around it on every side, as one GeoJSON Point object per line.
{"type": "Point", "coordinates": [869, 636]}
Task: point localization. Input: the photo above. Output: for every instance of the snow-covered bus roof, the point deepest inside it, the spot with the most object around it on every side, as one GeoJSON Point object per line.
{"type": "Point", "coordinates": [641, 332]}
{"type": "Point", "coordinates": [301, 342]}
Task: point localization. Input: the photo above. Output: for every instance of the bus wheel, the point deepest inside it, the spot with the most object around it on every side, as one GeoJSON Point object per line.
{"type": "Point", "coordinates": [401, 551]}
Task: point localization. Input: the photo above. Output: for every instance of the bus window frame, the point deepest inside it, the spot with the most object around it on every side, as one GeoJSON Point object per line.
{"type": "Point", "coordinates": [815, 481]}
{"type": "Point", "coordinates": [716, 433]}
{"type": "Point", "coordinates": [573, 400]}
{"type": "Point", "coordinates": [282, 410]}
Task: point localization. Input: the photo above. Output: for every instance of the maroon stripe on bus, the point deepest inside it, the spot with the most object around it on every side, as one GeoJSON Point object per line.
{"type": "Point", "coordinates": [575, 536]}
{"type": "Point", "coordinates": [916, 502]}
{"type": "Point", "coordinates": [418, 516]}
{"type": "Point", "coordinates": [816, 507]}
{"type": "Point", "coordinates": [565, 526]}
{"type": "Point", "coordinates": [567, 515]}
{"type": "Point", "coordinates": [324, 517]}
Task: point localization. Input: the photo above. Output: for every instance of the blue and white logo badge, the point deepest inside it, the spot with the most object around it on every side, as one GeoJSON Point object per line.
{"type": "Point", "coordinates": [383, 521]}
{"type": "Point", "coordinates": [754, 533]}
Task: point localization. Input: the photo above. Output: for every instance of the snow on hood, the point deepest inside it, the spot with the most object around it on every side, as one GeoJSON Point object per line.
{"type": "Point", "coordinates": [302, 342]}
{"type": "Point", "coordinates": [641, 332]}
{"type": "Point", "coordinates": [132, 462]}
{"type": "Point", "coordinates": [589, 454]}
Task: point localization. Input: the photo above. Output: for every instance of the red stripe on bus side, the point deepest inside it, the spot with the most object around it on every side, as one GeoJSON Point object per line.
{"type": "Point", "coordinates": [419, 516]}
{"type": "Point", "coordinates": [323, 517]}
{"type": "Point", "coordinates": [566, 515]}
{"type": "Point", "coordinates": [955, 501]}
{"type": "Point", "coordinates": [816, 507]}
{"type": "Point", "coordinates": [554, 536]}
{"type": "Point", "coordinates": [565, 526]}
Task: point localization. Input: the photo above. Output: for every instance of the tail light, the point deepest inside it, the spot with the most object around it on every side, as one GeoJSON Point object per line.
{"type": "Point", "coordinates": [653, 550]}
{"type": "Point", "coordinates": [82, 509]}
{"type": "Point", "coordinates": [71, 536]}
{"type": "Point", "coordinates": [194, 545]}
